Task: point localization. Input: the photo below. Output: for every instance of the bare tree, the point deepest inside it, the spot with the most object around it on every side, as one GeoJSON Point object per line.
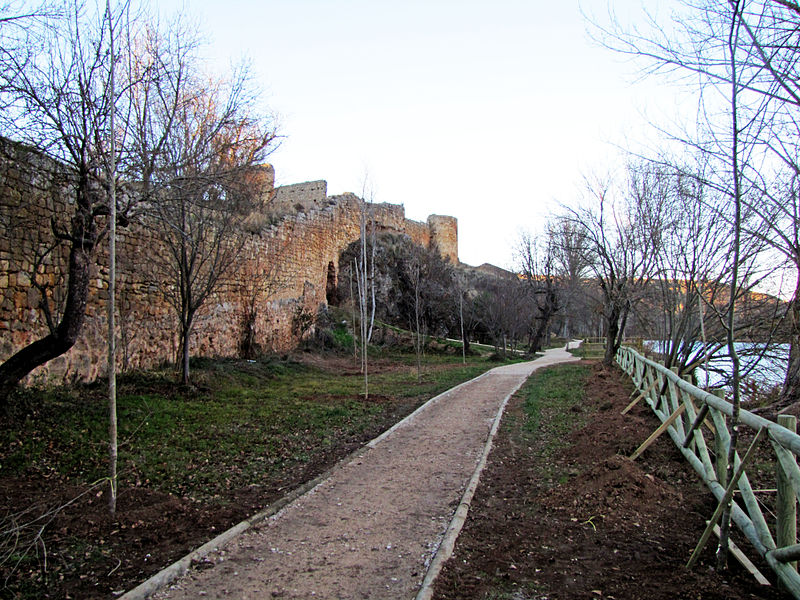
{"type": "Point", "coordinates": [111, 177]}
{"type": "Point", "coordinates": [620, 228]}
{"type": "Point", "coordinates": [537, 263]}
{"type": "Point", "coordinates": [460, 282]}
{"type": "Point", "coordinates": [469, 311]}
{"type": "Point", "coordinates": [414, 272]}
{"type": "Point", "coordinates": [696, 48]}
{"type": "Point", "coordinates": [206, 185]}
{"type": "Point", "coordinates": [364, 266]}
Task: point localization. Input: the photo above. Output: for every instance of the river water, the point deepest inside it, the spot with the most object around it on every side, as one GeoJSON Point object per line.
{"type": "Point", "coordinates": [763, 365]}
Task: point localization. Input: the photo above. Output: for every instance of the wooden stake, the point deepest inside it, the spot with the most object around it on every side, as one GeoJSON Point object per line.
{"type": "Point", "coordinates": [720, 447]}
{"type": "Point", "coordinates": [654, 436]}
{"type": "Point", "coordinates": [743, 560]}
{"type": "Point", "coordinates": [786, 503]}
{"type": "Point", "coordinates": [788, 462]}
{"type": "Point", "coordinates": [724, 502]}
{"type": "Point", "coordinates": [697, 422]}
{"type": "Point", "coordinates": [639, 397]}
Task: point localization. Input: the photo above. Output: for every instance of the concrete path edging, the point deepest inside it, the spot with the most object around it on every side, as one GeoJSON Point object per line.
{"type": "Point", "coordinates": [447, 545]}
{"type": "Point", "coordinates": [157, 584]}
{"type": "Point", "coordinates": [180, 567]}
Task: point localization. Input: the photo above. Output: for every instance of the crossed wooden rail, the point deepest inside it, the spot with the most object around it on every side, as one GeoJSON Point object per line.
{"type": "Point", "coordinates": [684, 411]}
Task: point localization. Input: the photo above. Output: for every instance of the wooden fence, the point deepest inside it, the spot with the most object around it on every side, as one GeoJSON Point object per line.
{"type": "Point", "coordinates": [697, 422]}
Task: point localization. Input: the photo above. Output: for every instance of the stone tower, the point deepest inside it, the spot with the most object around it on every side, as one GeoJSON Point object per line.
{"type": "Point", "coordinates": [444, 234]}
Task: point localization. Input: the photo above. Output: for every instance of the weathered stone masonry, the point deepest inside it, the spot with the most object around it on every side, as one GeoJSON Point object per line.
{"type": "Point", "coordinates": [307, 232]}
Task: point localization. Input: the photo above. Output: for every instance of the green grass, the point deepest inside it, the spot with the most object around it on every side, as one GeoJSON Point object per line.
{"type": "Point", "coordinates": [241, 422]}
{"type": "Point", "coordinates": [554, 404]}
{"type": "Point", "coordinates": [552, 408]}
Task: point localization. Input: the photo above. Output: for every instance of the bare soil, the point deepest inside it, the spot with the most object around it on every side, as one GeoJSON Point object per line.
{"type": "Point", "coordinates": [588, 522]}
{"type": "Point", "coordinates": [151, 529]}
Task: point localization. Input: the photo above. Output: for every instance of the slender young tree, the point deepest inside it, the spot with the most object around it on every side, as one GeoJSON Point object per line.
{"type": "Point", "coordinates": [112, 274]}
{"type": "Point", "coordinates": [414, 268]}
{"type": "Point", "coordinates": [365, 282]}
{"type": "Point", "coordinates": [736, 8]}
{"type": "Point", "coordinates": [460, 281]}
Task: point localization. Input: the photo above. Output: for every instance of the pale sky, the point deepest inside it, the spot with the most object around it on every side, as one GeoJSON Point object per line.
{"type": "Point", "coordinates": [488, 112]}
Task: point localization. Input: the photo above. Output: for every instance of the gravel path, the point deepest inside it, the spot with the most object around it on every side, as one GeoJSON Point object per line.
{"type": "Point", "coordinates": [371, 529]}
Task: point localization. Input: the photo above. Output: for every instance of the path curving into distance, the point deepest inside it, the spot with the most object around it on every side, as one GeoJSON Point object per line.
{"type": "Point", "coordinates": [372, 529]}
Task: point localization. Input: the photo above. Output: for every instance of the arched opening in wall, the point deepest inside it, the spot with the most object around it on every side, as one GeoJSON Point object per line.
{"type": "Point", "coordinates": [331, 291]}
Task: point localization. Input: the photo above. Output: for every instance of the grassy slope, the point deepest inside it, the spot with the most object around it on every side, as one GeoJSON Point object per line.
{"type": "Point", "coordinates": [242, 421]}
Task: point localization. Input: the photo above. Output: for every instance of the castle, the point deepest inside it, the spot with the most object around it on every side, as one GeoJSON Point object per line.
{"type": "Point", "coordinates": [296, 241]}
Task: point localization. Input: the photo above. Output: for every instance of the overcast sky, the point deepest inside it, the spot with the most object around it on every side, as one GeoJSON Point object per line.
{"type": "Point", "coordinates": [489, 112]}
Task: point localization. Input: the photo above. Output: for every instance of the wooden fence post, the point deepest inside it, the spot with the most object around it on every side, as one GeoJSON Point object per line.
{"type": "Point", "coordinates": [786, 504]}
{"type": "Point", "coordinates": [721, 449]}
{"type": "Point", "coordinates": [724, 501]}
{"type": "Point", "coordinates": [687, 399]}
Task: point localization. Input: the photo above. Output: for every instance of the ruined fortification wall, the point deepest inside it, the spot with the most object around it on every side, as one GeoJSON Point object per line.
{"type": "Point", "coordinates": [300, 197]}
{"type": "Point", "coordinates": [444, 234]}
{"type": "Point", "coordinates": [284, 267]}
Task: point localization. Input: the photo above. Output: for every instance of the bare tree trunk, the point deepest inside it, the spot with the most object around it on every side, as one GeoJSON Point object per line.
{"type": "Point", "coordinates": [372, 283]}
{"type": "Point", "coordinates": [186, 334]}
{"type": "Point", "coordinates": [540, 331]}
{"type": "Point", "coordinates": [790, 393]}
{"type": "Point", "coordinates": [703, 334]}
{"type": "Point", "coordinates": [83, 238]}
{"type": "Point", "coordinates": [112, 276]}
{"type": "Point", "coordinates": [353, 304]}
{"type": "Point", "coordinates": [612, 335]}
{"type": "Point", "coordinates": [420, 342]}
{"type": "Point", "coordinates": [737, 6]}
{"type": "Point", "coordinates": [463, 336]}
{"type": "Point", "coordinates": [361, 280]}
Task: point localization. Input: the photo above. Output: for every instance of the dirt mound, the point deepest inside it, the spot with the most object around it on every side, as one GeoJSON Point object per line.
{"type": "Point", "coordinates": [615, 484]}
{"type": "Point", "coordinates": [587, 522]}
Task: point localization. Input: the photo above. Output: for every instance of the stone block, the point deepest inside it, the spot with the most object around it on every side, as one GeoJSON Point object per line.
{"type": "Point", "coordinates": [32, 298]}
{"type": "Point", "coordinates": [20, 300]}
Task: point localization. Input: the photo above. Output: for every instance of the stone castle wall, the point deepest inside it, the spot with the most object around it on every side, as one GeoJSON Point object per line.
{"type": "Point", "coordinates": [300, 197]}
{"type": "Point", "coordinates": [284, 268]}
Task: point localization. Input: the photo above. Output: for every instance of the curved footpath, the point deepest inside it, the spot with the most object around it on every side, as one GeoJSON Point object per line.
{"type": "Point", "coordinates": [381, 524]}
